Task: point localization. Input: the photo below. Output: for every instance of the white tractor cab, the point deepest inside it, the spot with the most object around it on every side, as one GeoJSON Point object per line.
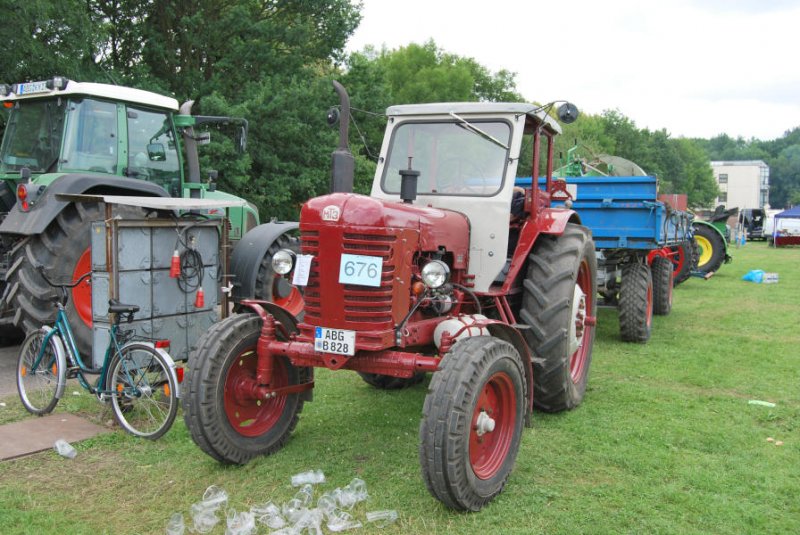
{"type": "Point", "coordinates": [464, 153]}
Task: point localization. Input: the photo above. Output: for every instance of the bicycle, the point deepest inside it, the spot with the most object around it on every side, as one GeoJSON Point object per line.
{"type": "Point", "coordinates": [138, 377]}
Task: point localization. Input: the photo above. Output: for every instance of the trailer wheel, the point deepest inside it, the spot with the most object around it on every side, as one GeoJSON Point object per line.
{"type": "Point", "coordinates": [711, 246]}
{"type": "Point", "coordinates": [388, 382]}
{"type": "Point", "coordinates": [636, 303]}
{"type": "Point", "coordinates": [661, 269]}
{"type": "Point", "coordinates": [559, 306]}
{"type": "Point", "coordinates": [224, 421]}
{"type": "Point", "coordinates": [684, 261]}
{"type": "Point", "coordinates": [472, 422]}
{"type": "Point", "coordinates": [273, 287]}
{"type": "Point", "coordinates": [64, 250]}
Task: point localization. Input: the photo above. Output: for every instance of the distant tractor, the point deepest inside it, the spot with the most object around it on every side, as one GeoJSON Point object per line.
{"type": "Point", "coordinates": [63, 136]}
{"type": "Point", "coordinates": [447, 268]}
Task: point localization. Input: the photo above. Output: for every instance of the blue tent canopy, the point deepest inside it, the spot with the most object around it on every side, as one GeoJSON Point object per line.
{"type": "Point", "coordinates": [791, 213]}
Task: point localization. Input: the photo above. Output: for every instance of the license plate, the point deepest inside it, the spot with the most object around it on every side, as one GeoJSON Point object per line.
{"type": "Point", "coordinates": [337, 341]}
{"type": "Point", "coordinates": [32, 87]}
{"type": "Point", "coordinates": [361, 270]}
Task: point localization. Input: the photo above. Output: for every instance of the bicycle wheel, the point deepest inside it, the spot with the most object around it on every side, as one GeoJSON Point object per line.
{"type": "Point", "coordinates": [38, 378]}
{"type": "Point", "coordinates": [145, 395]}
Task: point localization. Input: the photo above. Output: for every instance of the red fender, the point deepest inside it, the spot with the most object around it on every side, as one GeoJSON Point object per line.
{"type": "Point", "coordinates": [551, 221]}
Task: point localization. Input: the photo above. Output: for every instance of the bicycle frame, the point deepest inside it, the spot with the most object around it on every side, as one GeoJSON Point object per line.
{"type": "Point", "coordinates": [61, 333]}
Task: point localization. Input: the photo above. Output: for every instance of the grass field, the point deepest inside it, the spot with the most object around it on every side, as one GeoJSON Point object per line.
{"type": "Point", "coordinates": [664, 442]}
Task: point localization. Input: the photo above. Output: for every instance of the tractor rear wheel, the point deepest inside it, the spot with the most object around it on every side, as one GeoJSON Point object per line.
{"type": "Point", "coordinates": [275, 288]}
{"type": "Point", "coordinates": [635, 303]}
{"type": "Point", "coordinates": [388, 382]}
{"type": "Point", "coordinates": [223, 420]}
{"type": "Point", "coordinates": [64, 249]}
{"type": "Point", "coordinates": [712, 248]}
{"type": "Point", "coordinates": [559, 306]}
{"type": "Point", "coordinates": [661, 269]}
{"type": "Point", "coordinates": [472, 422]}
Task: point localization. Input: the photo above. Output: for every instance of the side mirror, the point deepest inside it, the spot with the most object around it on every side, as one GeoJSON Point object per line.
{"type": "Point", "coordinates": [332, 117]}
{"type": "Point", "coordinates": [567, 113]}
{"type": "Point", "coordinates": [156, 152]}
{"type": "Point", "coordinates": [212, 180]}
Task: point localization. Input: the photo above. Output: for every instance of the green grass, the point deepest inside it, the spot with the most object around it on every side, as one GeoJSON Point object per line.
{"type": "Point", "coordinates": [665, 441]}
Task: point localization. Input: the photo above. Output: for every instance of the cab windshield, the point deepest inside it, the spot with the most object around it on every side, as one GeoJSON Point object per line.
{"type": "Point", "coordinates": [453, 158]}
{"type": "Point", "coordinates": [33, 136]}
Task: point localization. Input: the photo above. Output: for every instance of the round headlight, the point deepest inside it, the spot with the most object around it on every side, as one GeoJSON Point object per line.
{"type": "Point", "coordinates": [435, 274]}
{"type": "Point", "coordinates": [283, 261]}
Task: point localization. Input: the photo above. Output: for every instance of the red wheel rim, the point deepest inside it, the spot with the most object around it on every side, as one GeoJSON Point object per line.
{"type": "Point", "coordinates": [292, 302]}
{"type": "Point", "coordinates": [82, 293]}
{"type": "Point", "coordinates": [577, 363]}
{"type": "Point", "coordinates": [677, 257]}
{"type": "Point", "coordinates": [489, 449]}
{"type": "Point", "coordinates": [248, 416]}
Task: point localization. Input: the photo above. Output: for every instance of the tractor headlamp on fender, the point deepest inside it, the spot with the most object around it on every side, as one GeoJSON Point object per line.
{"type": "Point", "coordinates": [435, 274]}
{"type": "Point", "coordinates": [283, 261]}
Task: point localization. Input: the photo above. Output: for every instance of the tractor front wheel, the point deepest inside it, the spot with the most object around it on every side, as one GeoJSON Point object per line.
{"type": "Point", "coordinates": [636, 303]}
{"type": "Point", "coordinates": [711, 246]}
{"type": "Point", "coordinates": [223, 420]}
{"type": "Point", "coordinates": [472, 422]}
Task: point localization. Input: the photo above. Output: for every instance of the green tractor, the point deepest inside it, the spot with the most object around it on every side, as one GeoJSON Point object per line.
{"type": "Point", "coordinates": [67, 137]}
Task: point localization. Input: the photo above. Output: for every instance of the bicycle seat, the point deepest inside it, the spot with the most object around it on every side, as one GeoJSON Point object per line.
{"type": "Point", "coordinates": [115, 307]}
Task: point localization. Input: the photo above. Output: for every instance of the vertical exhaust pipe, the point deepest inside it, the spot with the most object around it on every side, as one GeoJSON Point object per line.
{"type": "Point", "coordinates": [190, 147]}
{"type": "Point", "coordinates": [343, 168]}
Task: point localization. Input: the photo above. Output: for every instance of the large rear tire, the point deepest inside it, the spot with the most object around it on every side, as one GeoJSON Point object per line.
{"type": "Point", "coordinates": [229, 427]}
{"type": "Point", "coordinates": [472, 422]}
{"type": "Point", "coordinates": [559, 306]}
{"type": "Point", "coordinates": [636, 303]}
{"type": "Point", "coordinates": [661, 269]}
{"type": "Point", "coordinates": [711, 248]}
{"type": "Point", "coordinates": [64, 251]}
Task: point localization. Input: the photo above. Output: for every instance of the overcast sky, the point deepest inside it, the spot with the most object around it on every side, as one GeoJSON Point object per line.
{"type": "Point", "coordinates": [697, 68]}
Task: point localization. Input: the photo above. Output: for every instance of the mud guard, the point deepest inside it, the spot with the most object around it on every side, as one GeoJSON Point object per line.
{"type": "Point", "coordinates": [47, 208]}
{"type": "Point", "coordinates": [248, 253]}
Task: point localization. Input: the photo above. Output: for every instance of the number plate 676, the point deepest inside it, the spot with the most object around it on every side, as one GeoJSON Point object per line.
{"type": "Point", "coordinates": [361, 270]}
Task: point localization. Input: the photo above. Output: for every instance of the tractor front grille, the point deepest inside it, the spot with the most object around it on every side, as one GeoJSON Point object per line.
{"type": "Point", "coordinates": [329, 303]}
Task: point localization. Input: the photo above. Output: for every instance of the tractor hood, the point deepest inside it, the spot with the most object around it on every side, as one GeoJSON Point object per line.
{"type": "Point", "coordinates": [437, 227]}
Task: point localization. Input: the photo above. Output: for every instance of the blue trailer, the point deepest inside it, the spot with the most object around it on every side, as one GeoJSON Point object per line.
{"type": "Point", "coordinates": [643, 246]}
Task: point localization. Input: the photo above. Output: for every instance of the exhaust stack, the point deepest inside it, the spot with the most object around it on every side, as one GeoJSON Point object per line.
{"type": "Point", "coordinates": [343, 168]}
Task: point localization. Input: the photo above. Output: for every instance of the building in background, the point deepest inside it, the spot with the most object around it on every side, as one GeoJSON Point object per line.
{"type": "Point", "coordinates": [742, 184]}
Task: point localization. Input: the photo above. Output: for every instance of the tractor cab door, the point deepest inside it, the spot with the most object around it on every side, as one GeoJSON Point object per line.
{"type": "Point", "coordinates": [464, 166]}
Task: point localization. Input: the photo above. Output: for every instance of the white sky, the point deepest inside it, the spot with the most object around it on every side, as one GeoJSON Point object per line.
{"type": "Point", "coordinates": [697, 68]}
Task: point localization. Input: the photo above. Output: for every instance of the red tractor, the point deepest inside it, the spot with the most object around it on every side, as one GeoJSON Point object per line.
{"type": "Point", "coordinates": [445, 268]}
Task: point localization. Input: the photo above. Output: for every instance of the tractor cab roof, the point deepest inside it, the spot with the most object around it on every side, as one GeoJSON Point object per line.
{"type": "Point", "coordinates": [59, 86]}
{"type": "Point", "coordinates": [536, 114]}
